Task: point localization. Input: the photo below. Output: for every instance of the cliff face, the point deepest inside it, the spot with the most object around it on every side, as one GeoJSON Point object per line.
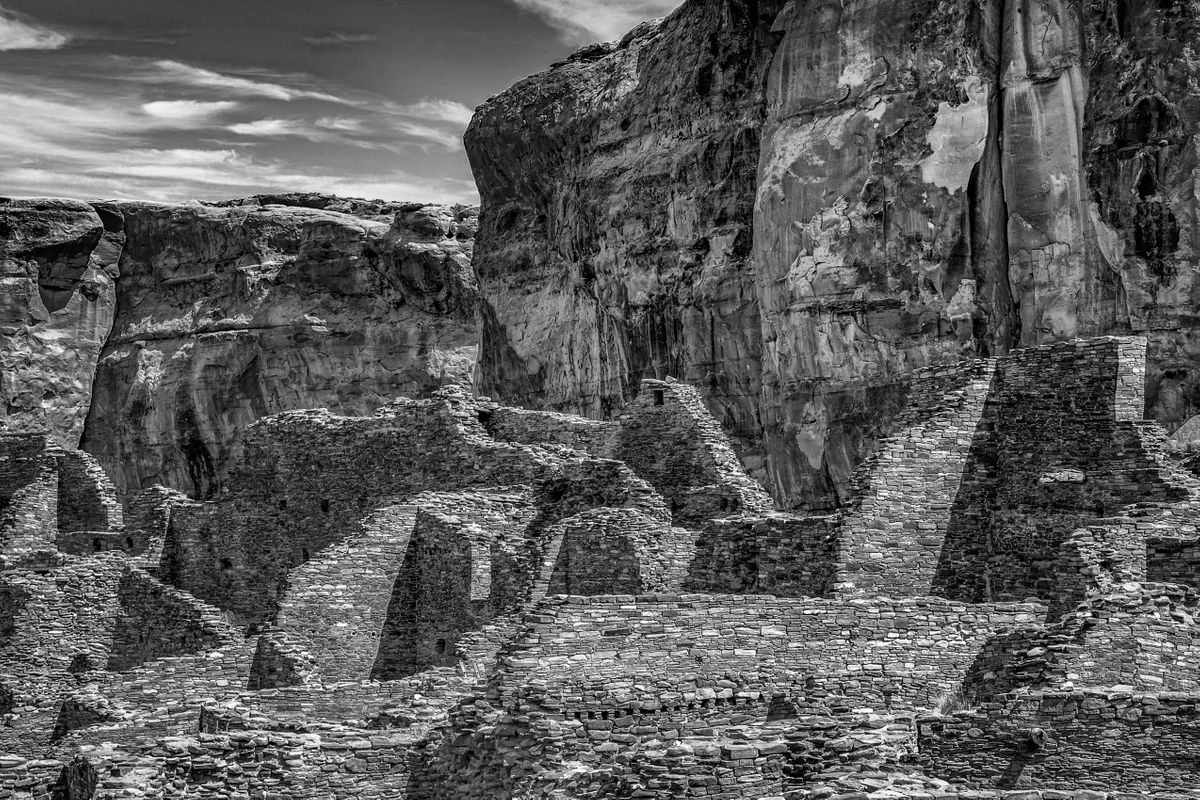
{"type": "Point", "coordinates": [58, 264]}
{"type": "Point", "coordinates": [935, 181]}
{"type": "Point", "coordinates": [619, 197]}
{"type": "Point", "coordinates": [223, 314]}
{"type": "Point", "coordinates": [226, 315]}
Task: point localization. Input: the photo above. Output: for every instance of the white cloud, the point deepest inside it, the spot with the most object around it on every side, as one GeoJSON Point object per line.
{"type": "Point", "coordinates": [429, 134]}
{"type": "Point", "coordinates": [18, 33]}
{"type": "Point", "coordinates": [180, 74]}
{"type": "Point", "coordinates": [342, 124]}
{"type": "Point", "coordinates": [188, 113]}
{"type": "Point", "coordinates": [583, 21]}
{"type": "Point", "coordinates": [436, 109]}
{"type": "Point", "coordinates": [271, 128]}
{"type": "Point", "coordinates": [155, 137]}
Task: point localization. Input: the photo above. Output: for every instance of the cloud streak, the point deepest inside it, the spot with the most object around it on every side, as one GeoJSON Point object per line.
{"type": "Point", "coordinates": [19, 33]}
{"type": "Point", "coordinates": [583, 21]}
{"type": "Point", "coordinates": [189, 113]}
{"type": "Point", "coordinates": [340, 39]}
{"type": "Point", "coordinates": [178, 74]}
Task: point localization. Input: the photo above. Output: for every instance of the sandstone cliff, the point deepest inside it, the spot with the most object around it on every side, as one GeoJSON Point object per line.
{"type": "Point", "coordinates": [58, 265]}
{"type": "Point", "coordinates": [796, 205]}
{"type": "Point", "coordinates": [222, 314]}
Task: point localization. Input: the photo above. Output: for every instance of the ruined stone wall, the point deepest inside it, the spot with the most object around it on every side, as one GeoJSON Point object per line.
{"type": "Point", "coordinates": [147, 519]}
{"type": "Point", "coordinates": [546, 427]}
{"type": "Point", "coordinates": [781, 555]}
{"type": "Point", "coordinates": [894, 532]}
{"type": "Point", "coordinates": [468, 561]}
{"type": "Point", "coordinates": [1141, 636]}
{"type": "Point", "coordinates": [296, 765]}
{"type": "Point", "coordinates": [1064, 446]}
{"type": "Point", "coordinates": [157, 621]}
{"type": "Point", "coordinates": [1173, 559]}
{"type": "Point", "coordinates": [308, 481]}
{"type": "Point", "coordinates": [975, 499]}
{"type": "Point", "coordinates": [870, 641]}
{"type": "Point", "coordinates": [87, 499]}
{"type": "Point", "coordinates": [1094, 739]}
{"type": "Point", "coordinates": [335, 605]}
{"type": "Point", "coordinates": [615, 551]}
{"type": "Point", "coordinates": [669, 439]}
{"type": "Point", "coordinates": [28, 493]}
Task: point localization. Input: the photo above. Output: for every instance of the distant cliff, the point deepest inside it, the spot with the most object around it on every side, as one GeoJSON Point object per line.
{"type": "Point", "coordinates": [154, 334]}
{"type": "Point", "coordinates": [794, 205]}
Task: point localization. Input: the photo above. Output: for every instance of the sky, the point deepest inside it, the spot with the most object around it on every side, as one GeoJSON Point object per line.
{"type": "Point", "coordinates": [168, 100]}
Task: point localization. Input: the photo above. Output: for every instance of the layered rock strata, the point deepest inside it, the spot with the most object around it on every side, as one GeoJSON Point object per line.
{"type": "Point", "coordinates": [797, 205]}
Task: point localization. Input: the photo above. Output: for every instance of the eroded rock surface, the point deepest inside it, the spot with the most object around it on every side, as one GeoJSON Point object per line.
{"type": "Point", "coordinates": [935, 181]}
{"type": "Point", "coordinates": [229, 314]}
{"type": "Point", "coordinates": [619, 196]}
{"type": "Point", "coordinates": [58, 264]}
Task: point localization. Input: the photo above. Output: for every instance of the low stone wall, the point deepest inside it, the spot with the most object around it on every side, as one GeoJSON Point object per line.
{"type": "Point", "coordinates": [298, 766]}
{"type": "Point", "coordinates": [1076, 739]}
{"type": "Point", "coordinates": [912, 651]}
{"type": "Point", "coordinates": [782, 555]}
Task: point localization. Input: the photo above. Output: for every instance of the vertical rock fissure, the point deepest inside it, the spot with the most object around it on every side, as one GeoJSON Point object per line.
{"type": "Point", "coordinates": [1010, 333]}
{"type": "Point", "coordinates": [93, 409]}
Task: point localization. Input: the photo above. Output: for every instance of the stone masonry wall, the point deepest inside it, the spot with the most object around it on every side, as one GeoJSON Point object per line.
{"type": "Point", "coordinates": [1174, 559]}
{"type": "Point", "coordinates": [157, 621]}
{"type": "Point", "coordinates": [87, 499]}
{"type": "Point", "coordinates": [783, 555]}
{"type": "Point", "coordinates": [669, 439]}
{"type": "Point", "coordinates": [1071, 739]}
{"type": "Point", "coordinates": [892, 536]}
{"type": "Point", "coordinates": [974, 498]}
{"type": "Point", "coordinates": [308, 481]}
{"type": "Point", "coordinates": [1065, 446]}
{"type": "Point", "coordinates": [466, 563]}
{"type": "Point", "coordinates": [596, 437]}
{"type": "Point", "coordinates": [615, 551]}
{"type": "Point", "coordinates": [1142, 636]}
{"type": "Point", "coordinates": [677, 639]}
{"type": "Point", "coordinates": [28, 493]}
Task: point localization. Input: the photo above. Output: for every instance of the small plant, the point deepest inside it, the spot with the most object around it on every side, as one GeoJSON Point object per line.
{"type": "Point", "coordinates": [951, 702]}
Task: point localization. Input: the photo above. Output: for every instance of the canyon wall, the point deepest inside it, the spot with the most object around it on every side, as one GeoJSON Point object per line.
{"type": "Point", "coordinates": [797, 205]}
{"type": "Point", "coordinates": [223, 314]}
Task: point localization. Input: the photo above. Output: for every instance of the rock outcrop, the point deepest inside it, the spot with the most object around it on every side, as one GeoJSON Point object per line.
{"type": "Point", "coordinates": [797, 205]}
{"type": "Point", "coordinates": [58, 269]}
{"type": "Point", "coordinates": [224, 313]}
